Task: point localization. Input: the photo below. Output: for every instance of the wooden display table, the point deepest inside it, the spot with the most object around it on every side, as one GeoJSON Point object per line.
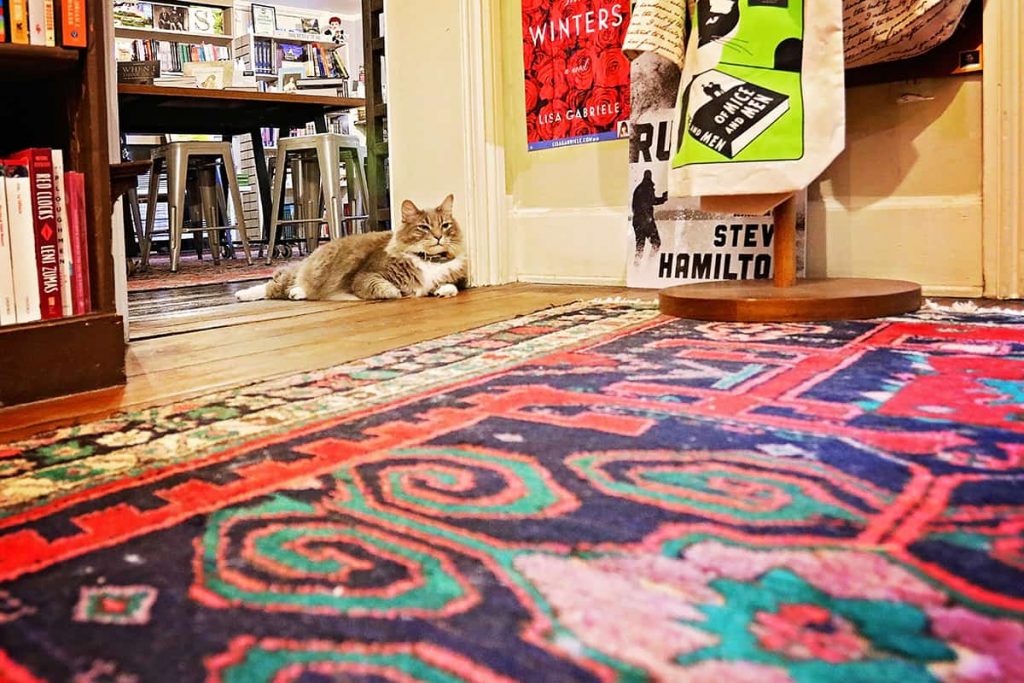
{"type": "Point", "coordinates": [786, 299]}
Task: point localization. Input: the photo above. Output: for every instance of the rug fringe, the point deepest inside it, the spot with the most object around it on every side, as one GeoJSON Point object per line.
{"type": "Point", "coordinates": [646, 303]}
{"type": "Point", "coordinates": [969, 307]}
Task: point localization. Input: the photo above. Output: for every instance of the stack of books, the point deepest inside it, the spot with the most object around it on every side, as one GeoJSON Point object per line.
{"type": "Point", "coordinates": [172, 55]}
{"type": "Point", "coordinates": [175, 81]}
{"type": "Point", "coordinates": [44, 260]}
{"type": "Point", "coordinates": [43, 22]}
{"type": "Point", "coordinates": [332, 87]}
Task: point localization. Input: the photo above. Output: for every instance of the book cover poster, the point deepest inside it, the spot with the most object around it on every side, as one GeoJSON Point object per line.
{"type": "Point", "coordinates": [743, 98]}
{"type": "Point", "coordinates": [671, 241]}
{"type": "Point", "coordinates": [170, 18]}
{"type": "Point", "coordinates": [577, 79]}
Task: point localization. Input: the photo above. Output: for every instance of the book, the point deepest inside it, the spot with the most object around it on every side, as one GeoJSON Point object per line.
{"type": "Point", "coordinates": [73, 32]}
{"type": "Point", "coordinates": [36, 26]}
{"type": "Point", "coordinates": [74, 189]}
{"type": "Point", "coordinates": [735, 112]}
{"type": "Point", "coordinates": [7, 297]}
{"type": "Point", "coordinates": [64, 255]}
{"type": "Point", "coordinates": [18, 10]}
{"type": "Point", "coordinates": [23, 241]}
{"type": "Point", "coordinates": [206, 20]}
{"type": "Point", "coordinates": [49, 25]}
{"type": "Point", "coordinates": [170, 17]}
{"type": "Point", "coordinates": [39, 162]}
{"type": "Point", "coordinates": [133, 14]}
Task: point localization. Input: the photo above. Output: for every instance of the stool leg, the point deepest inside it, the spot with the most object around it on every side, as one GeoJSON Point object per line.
{"type": "Point", "coordinates": [236, 199]}
{"type": "Point", "coordinates": [193, 212]}
{"type": "Point", "coordinates": [330, 181]}
{"type": "Point", "coordinates": [361, 191]}
{"type": "Point", "coordinates": [177, 174]}
{"type": "Point", "coordinates": [306, 188]}
{"type": "Point", "coordinates": [132, 197]}
{"type": "Point", "coordinates": [151, 202]}
{"type": "Point", "coordinates": [280, 169]}
{"type": "Point", "coordinates": [209, 208]}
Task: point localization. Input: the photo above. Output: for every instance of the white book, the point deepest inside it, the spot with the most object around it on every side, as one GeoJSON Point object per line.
{"type": "Point", "coordinates": [7, 313]}
{"type": "Point", "coordinates": [23, 247]}
{"type": "Point", "coordinates": [67, 266]}
{"type": "Point", "coordinates": [37, 22]}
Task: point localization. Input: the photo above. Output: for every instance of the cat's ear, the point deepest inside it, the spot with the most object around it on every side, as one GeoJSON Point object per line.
{"type": "Point", "coordinates": [410, 212]}
{"type": "Point", "coordinates": [446, 205]}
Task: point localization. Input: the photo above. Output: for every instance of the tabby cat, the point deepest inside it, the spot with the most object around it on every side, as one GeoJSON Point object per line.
{"type": "Point", "coordinates": [425, 256]}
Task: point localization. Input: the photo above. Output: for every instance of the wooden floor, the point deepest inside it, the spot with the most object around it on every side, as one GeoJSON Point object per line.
{"type": "Point", "coordinates": [200, 344]}
{"type": "Point", "coordinates": [215, 347]}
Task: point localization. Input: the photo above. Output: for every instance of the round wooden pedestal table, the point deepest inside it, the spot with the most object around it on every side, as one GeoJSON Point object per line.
{"type": "Point", "coordinates": [786, 299]}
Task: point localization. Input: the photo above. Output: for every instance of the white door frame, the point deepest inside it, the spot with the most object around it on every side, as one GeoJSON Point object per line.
{"type": "Point", "coordinates": [1003, 190]}
{"type": "Point", "coordinates": [486, 213]}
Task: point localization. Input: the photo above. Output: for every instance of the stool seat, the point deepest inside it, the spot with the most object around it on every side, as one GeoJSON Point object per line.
{"type": "Point", "coordinates": [315, 162]}
{"type": "Point", "coordinates": [196, 166]}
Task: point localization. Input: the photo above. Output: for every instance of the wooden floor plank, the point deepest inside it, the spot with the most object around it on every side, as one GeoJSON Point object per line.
{"type": "Point", "coordinates": [263, 340]}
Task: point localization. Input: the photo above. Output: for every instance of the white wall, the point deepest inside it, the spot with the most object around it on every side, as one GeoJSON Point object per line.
{"type": "Point", "coordinates": [903, 201]}
{"type": "Point", "coordinates": [426, 121]}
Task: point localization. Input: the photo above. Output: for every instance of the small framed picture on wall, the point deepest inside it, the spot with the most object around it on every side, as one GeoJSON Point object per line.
{"type": "Point", "coordinates": [264, 20]}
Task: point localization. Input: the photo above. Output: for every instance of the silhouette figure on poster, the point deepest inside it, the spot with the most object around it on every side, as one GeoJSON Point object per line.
{"type": "Point", "coordinates": [645, 198]}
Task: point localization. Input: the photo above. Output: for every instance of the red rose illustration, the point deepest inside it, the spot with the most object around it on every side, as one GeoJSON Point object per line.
{"type": "Point", "coordinates": [581, 126]}
{"type": "Point", "coordinates": [532, 133]}
{"type": "Point", "coordinates": [550, 76]}
{"type": "Point", "coordinates": [533, 6]}
{"type": "Point", "coordinates": [581, 68]}
{"type": "Point", "coordinates": [551, 122]}
{"type": "Point", "coordinates": [532, 96]}
{"type": "Point", "coordinates": [602, 107]}
{"type": "Point", "coordinates": [612, 69]}
{"type": "Point", "coordinates": [624, 95]}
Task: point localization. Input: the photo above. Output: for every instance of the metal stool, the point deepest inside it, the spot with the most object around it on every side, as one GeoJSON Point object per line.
{"type": "Point", "coordinates": [315, 161]}
{"type": "Point", "coordinates": [212, 204]}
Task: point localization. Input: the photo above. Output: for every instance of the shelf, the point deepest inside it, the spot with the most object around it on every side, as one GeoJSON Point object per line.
{"type": "Point", "coordinates": [171, 36]}
{"type": "Point", "coordinates": [299, 38]}
{"type": "Point", "coordinates": [27, 62]}
{"type": "Point", "coordinates": [94, 357]}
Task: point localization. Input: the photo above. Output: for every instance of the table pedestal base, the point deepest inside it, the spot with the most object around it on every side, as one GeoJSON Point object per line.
{"type": "Point", "coordinates": [807, 300]}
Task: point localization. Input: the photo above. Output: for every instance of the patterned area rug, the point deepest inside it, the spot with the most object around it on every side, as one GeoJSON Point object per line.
{"type": "Point", "coordinates": [192, 272]}
{"type": "Point", "coordinates": [591, 492]}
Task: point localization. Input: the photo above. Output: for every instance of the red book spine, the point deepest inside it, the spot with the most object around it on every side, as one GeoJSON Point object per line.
{"type": "Point", "coordinates": [73, 33]}
{"type": "Point", "coordinates": [82, 239]}
{"type": "Point", "coordinates": [44, 216]}
{"type": "Point", "coordinates": [74, 229]}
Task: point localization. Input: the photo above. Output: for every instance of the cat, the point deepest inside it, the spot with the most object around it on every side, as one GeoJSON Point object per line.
{"type": "Point", "coordinates": [424, 256]}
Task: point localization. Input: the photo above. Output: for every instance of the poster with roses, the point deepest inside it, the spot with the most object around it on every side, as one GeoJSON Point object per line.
{"type": "Point", "coordinates": [577, 79]}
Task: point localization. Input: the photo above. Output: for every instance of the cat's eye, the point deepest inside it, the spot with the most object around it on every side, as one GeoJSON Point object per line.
{"type": "Point", "coordinates": [446, 226]}
{"type": "Point", "coordinates": [423, 228]}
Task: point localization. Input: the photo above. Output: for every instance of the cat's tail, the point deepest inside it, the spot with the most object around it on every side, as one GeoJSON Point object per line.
{"type": "Point", "coordinates": [277, 287]}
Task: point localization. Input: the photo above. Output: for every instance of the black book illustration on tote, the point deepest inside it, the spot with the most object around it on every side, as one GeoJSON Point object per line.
{"type": "Point", "coordinates": [730, 113]}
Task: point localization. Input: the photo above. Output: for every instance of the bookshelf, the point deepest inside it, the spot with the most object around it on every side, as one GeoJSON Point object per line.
{"type": "Point", "coordinates": [376, 116]}
{"type": "Point", "coordinates": [153, 26]}
{"type": "Point", "coordinates": [62, 102]}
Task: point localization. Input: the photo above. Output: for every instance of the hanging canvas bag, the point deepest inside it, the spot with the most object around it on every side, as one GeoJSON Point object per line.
{"type": "Point", "coordinates": [761, 103]}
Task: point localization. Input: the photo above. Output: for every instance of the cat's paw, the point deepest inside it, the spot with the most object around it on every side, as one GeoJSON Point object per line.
{"type": "Point", "coordinates": [446, 290]}
{"type": "Point", "coordinates": [252, 293]}
{"type": "Point", "coordinates": [297, 293]}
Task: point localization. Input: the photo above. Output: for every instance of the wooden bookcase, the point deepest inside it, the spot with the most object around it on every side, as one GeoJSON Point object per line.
{"type": "Point", "coordinates": [57, 97]}
{"type": "Point", "coordinates": [189, 37]}
{"type": "Point", "coordinates": [376, 116]}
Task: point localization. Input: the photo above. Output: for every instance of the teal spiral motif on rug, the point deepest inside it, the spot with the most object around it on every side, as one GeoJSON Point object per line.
{"type": "Point", "coordinates": [285, 555]}
{"type": "Point", "coordinates": [590, 493]}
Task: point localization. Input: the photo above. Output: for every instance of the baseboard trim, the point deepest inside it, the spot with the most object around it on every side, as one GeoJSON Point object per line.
{"type": "Point", "coordinates": [961, 292]}
{"type": "Point", "coordinates": [571, 280]}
